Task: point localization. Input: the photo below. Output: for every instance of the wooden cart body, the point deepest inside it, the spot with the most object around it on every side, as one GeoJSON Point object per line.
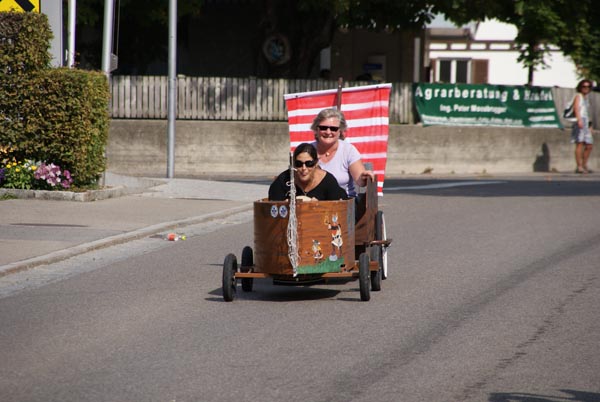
{"type": "Point", "coordinates": [325, 237]}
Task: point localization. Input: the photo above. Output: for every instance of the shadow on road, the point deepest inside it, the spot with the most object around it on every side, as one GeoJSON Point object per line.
{"type": "Point", "coordinates": [272, 293]}
{"type": "Point", "coordinates": [570, 395]}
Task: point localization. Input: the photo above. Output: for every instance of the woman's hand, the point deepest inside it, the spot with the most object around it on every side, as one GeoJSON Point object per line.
{"type": "Point", "coordinates": [360, 174]}
{"type": "Point", "coordinates": [366, 174]}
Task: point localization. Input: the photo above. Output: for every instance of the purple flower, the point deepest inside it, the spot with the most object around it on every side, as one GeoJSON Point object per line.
{"type": "Point", "coordinates": [52, 176]}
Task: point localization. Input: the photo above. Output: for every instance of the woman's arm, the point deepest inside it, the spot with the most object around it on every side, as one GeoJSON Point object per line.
{"type": "Point", "coordinates": [360, 174]}
{"type": "Point", "coordinates": [576, 109]}
{"type": "Point", "coordinates": [278, 191]}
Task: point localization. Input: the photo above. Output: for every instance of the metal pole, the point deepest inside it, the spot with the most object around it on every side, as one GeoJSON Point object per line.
{"type": "Point", "coordinates": [107, 43]}
{"type": "Point", "coordinates": [107, 36]}
{"type": "Point", "coordinates": [172, 100]}
{"type": "Point", "coordinates": [71, 33]}
{"type": "Point", "coordinates": [417, 63]}
{"type": "Point", "coordinates": [339, 93]}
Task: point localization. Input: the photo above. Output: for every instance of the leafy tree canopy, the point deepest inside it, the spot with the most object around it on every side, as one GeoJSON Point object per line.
{"type": "Point", "coordinates": [572, 26]}
{"type": "Point", "coordinates": [310, 24]}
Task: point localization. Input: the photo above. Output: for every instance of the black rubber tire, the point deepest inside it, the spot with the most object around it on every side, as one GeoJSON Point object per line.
{"type": "Point", "coordinates": [375, 252]}
{"type": "Point", "coordinates": [229, 270]}
{"type": "Point", "coordinates": [364, 276]}
{"type": "Point", "coordinates": [247, 261]}
{"type": "Point", "coordinates": [381, 234]}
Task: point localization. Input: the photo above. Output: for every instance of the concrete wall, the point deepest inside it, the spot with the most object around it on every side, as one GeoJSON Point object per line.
{"type": "Point", "coordinates": [223, 148]}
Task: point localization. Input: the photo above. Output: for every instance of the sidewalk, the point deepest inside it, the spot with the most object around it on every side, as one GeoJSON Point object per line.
{"type": "Point", "coordinates": [41, 231]}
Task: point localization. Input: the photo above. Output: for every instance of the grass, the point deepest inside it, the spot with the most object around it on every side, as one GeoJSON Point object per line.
{"type": "Point", "coordinates": [4, 197]}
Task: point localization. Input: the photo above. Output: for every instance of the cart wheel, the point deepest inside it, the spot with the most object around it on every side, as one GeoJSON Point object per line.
{"type": "Point", "coordinates": [247, 261]}
{"type": "Point", "coordinates": [364, 276]}
{"type": "Point", "coordinates": [375, 253]}
{"type": "Point", "coordinates": [381, 234]}
{"type": "Point", "coordinates": [229, 270]}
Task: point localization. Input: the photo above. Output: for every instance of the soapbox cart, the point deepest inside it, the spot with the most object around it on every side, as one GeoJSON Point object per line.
{"type": "Point", "coordinates": [306, 242]}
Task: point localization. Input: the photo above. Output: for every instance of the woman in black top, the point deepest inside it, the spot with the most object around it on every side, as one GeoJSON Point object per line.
{"type": "Point", "coordinates": [310, 180]}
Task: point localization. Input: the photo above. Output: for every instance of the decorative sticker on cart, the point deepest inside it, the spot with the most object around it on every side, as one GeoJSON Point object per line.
{"type": "Point", "coordinates": [274, 212]}
{"type": "Point", "coordinates": [335, 230]}
{"type": "Point", "coordinates": [319, 258]}
{"type": "Point", "coordinates": [283, 211]}
{"type": "Point", "coordinates": [317, 251]}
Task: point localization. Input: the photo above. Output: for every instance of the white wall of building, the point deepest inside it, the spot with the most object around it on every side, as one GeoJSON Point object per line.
{"type": "Point", "coordinates": [495, 30]}
{"type": "Point", "coordinates": [504, 69]}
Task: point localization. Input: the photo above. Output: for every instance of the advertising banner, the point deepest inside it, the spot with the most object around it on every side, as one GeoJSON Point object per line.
{"type": "Point", "coordinates": [485, 105]}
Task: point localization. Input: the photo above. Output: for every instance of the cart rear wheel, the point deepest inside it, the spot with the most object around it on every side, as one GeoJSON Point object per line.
{"type": "Point", "coordinates": [229, 270]}
{"type": "Point", "coordinates": [381, 234]}
{"type": "Point", "coordinates": [364, 276]}
{"type": "Point", "coordinates": [375, 252]}
{"type": "Point", "coordinates": [247, 261]}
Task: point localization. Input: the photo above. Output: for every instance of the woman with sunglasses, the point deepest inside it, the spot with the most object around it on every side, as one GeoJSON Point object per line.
{"type": "Point", "coordinates": [340, 158]}
{"type": "Point", "coordinates": [310, 181]}
{"type": "Point", "coordinates": [581, 135]}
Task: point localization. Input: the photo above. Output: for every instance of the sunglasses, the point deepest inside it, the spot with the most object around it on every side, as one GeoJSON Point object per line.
{"type": "Point", "coordinates": [309, 164]}
{"type": "Point", "coordinates": [332, 128]}
{"type": "Point", "coordinates": [586, 86]}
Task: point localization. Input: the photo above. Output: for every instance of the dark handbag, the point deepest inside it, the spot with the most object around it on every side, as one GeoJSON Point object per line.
{"type": "Point", "coordinates": [569, 112]}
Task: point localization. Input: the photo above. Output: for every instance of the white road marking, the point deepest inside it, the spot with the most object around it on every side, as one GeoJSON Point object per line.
{"type": "Point", "coordinates": [443, 185]}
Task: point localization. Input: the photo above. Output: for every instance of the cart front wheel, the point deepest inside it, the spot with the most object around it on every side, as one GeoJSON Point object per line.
{"type": "Point", "coordinates": [363, 277]}
{"type": "Point", "coordinates": [247, 261]}
{"type": "Point", "coordinates": [229, 270]}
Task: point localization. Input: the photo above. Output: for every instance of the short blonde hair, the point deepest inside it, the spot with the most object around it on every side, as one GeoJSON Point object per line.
{"type": "Point", "coordinates": [327, 114]}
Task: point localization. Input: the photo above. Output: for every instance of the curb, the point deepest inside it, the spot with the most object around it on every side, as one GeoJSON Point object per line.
{"type": "Point", "coordinates": [86, 196]}
{"type": "Point", "coordinates": [79, 249]}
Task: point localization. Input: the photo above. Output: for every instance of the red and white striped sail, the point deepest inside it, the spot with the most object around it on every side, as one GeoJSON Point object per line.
{"type": "Point", "coordinates": [366, 110]}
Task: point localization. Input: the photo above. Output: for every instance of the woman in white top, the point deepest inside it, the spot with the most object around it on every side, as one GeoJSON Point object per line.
{"type": "Point", "coordinates": [338, 157]}
{"type": "Point", "coordinates": [581, 135]}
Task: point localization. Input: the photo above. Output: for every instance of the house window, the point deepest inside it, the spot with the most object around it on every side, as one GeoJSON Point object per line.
{"type": "Point", "coordinates": [445, 71]}
{"type": "Point", "coordinates": [453, 71]}
{"type": "Point", "coordinates": [462, 71]}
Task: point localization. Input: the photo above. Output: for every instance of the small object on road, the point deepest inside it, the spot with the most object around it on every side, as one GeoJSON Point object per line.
{"type": "Point", "coordinates": [175, 237]}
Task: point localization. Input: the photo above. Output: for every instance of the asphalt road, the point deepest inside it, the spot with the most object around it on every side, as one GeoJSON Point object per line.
{"type": "Point", "coordinates": [492, 295]}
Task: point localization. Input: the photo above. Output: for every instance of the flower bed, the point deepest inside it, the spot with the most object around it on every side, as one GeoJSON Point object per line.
{"type": "Point", "coordinates": [30, 175]}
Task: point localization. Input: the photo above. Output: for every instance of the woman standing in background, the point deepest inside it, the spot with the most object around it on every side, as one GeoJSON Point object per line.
{"type": "Point", "coordinates": [581, 135]}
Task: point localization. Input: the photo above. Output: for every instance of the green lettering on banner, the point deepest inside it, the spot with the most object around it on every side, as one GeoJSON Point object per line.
{"type": "Point", "coordinates": [485, 105]}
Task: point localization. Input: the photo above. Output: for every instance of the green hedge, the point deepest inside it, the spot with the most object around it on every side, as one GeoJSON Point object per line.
{"type": "Point", "coordinates": [24, 43]}
{"type": "Point", "coordinates": [63, 118]}
{"type": "Point", "coordinates": [53, 115]}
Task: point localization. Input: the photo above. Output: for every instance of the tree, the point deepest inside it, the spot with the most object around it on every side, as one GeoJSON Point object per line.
{"type": "Point", "coordinates": [308, 26]}
{"type": "Point", "coordinates": [291, 33]}
{"type": "Point", "coordinates": [580, 35]}
{"type": "Point", "coordinates": [141, 30]}
{"type": "Point", "coordinates": [572, 26]}
{"type": "Point", "coordinates": [536, 21]}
